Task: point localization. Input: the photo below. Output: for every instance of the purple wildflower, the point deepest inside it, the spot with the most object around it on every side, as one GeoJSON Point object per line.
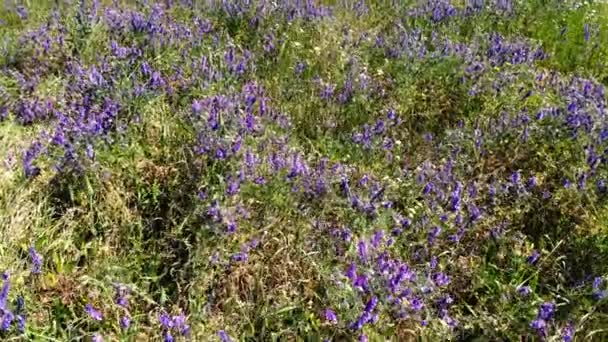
{"type": "Point", "coordinates": [428, 188]}
{"type": "Point", "coordinates": [231, 227]}
{"type": "Point", "coordinates": [93, 313]}
{"type": "Point", "coordinates": [533, 259]}
{"type": "Point", "coordinates": [568, 332]}
{"type": "Point", "coordinates": [22, 12]}
{"type": "Point", "coordinates": [377, 238]}
{"type": "Point", "coordinates": [362, 248]}
{"type": "Point", "coordinates": [532, 182]}
{"type": "Point", "coordinates": [515, 177]}
{"type": "Point", "coordinates": [7, 320]}
{"type": "Point", "coordinates": [546, 311]}
{"type": "Point", "coordinates": [371, 304]}
{"type": "Point", "coordinates": [441, 279]}
{"type": "Point", "coordinates": [601, 186]}
{"type": "Point", "coordinates": [167, 337]}
{"type": "Point", "coordinates": [224, 336]}
{"type": "Point", "coordinates": [299, 68]}
{"type": "Point", "coordinates": [598, 293]}
{"type": "Point", "coordinates": [121, 296]}
{"type": "Point", "coordinates": [5, 288]}
{"type": "Point", "coordinates": [240, 256]}
{"type": "Point", "coordinates": [351, 272]}
{"type": "Point", "coordinates": [416, 304]}
{"type": "Point", "coordinates": [197, 107]}
{"type": "Point", "coordinates": [361, 281]}
{"type": "Point", "coordinates": [540, 326]}
{"type": "Point", "coordinates": [165, 320]}
{"type": "Point", "coordinates": [180, 324]}
{"type": "Point", "coordinates": [125, 322]}
{"type": "Point", "coordinates": [36, 259]}
{"type": "Point", "coordinates": [474, 212]}
{"type": "Point", "coordinates": [524, 290]}
{"type": "Point", "coordinates": [597, 283]}
{"type": "Point", "coordinates": [330, 316]}
{"type": "Point", "coordinates": [20, 304]}
{"type": "Point", "coordinates": [433, 234]}
{"type": "Point", "coordinates": [455, 201]}
{"type": "Point", "coordinates": [20, 323]}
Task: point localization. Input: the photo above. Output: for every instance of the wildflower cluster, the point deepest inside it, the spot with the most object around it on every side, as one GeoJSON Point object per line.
{"type": "Point", "coordinates": [261, 170]}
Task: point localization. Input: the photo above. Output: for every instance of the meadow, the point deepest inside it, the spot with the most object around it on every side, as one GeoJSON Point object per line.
{"type": "Point", "coordinates": [299, 170]}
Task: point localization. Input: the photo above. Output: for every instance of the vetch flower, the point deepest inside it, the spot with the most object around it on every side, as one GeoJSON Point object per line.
{"type": "Point", "coordinates": [361, 281]}
{"type": "Point", "coordinates": [376, 238]}
{"type": "Point", "coordinates": [20, 323]}
{"type": "Point", "coordinates": [531, 182]}
{"type": "Point", "coordinates": [22, 12]}
{"type": "Point", "coordinates": [20, 304]}
{"type": "Point", "coordinates": [93, 313]}
{"type": "Point", "coordinates": [371, 304]}
{"type": "Point", "coordinates": [568, 332]}
{"type": "Point", "coordinates": [362, 250]}
{"type": "Point", "coordinates": [197, 106]}
{"type": "Point", "coordinates": [299, 68]}
{"type": "Point", "coordinates": [179, 323]}
{"type": "Point", "coordinates": [428, 188]}
{"type": "Point", "coordinates": [330, 316]}
{"type": "Point", "coordinates": [601, 186]}
{"type": "Point", "coordinates": [167, 336]}
{"type": "Point", "coordinates": [533, 259]}
{"type": "Point", "coordinates": [474, 212]}
{"type": "Point", "coordinates": [441, 279]}
{"type": "Point", "coordinates": [433, 234]}
{"type": "Point", "coordinates": [416, 304]}
{"type": "Point", "coordinates": [36, 259]}
{"type": "Point", "coordinates": [598, 293]}
{"type": "Point", "coordinates": [524, 290]}
{"type": "Point", "coordinates": [7, 320]}
{"type": "Point", "coordinates": [434, 262]}
{"type": "Point", "coordinates": [597, 283]}
{"type": "Point", "coordinates": [444, 302]}
{"type": "Point", "coordinates": [515, 177]}
{"type": "Point", "coordinates": [240, 256]}
{"type": "Point", "coordinates": [224, 336]}
{"type": "Point", "coordinates": [125, 322]}
{"type": "Point", "coordinates": [540, 326]}
{"type": "Point", "coordinates": [121, 296]}
{"type": "Point", "coordinates": [5, 288]}
{"type": "Point", "coordinates": [165, 320]}
{"type": "Point", "coordinates": [351, 272]}
{"type": "Point", "coordinates": [455, 201]}
{"type": "Point", "coordinates": [231, 227]}
{"type": "Point", "coordinates": [546, 311]}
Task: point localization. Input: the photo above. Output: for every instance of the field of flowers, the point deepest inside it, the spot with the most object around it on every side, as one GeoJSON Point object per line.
{"type": "Point", "coordinates": [300, 170]}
